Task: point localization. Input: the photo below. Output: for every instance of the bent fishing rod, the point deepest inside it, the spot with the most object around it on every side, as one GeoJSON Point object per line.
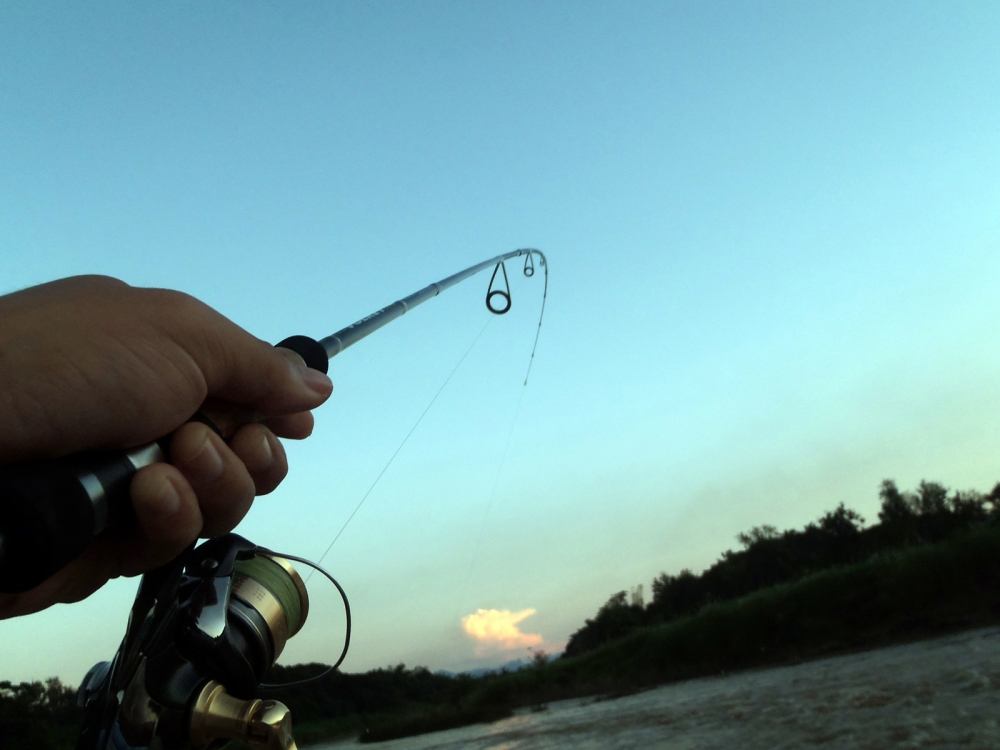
{"type": "Point", "coordinates": [50, 511]}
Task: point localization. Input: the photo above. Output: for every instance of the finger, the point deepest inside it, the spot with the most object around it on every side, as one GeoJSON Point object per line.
{"type": "Point", "coordinates": [168, 519]}
{"type": "Point", "coordinates": [218, 477]}
{"type": "Point", "coordinates": [294, 426]}
{"type": "Point", "coordinates": [262, 454]}
{"type": "Point", "coordinates": [282, 386]}
{"type": "Point", "coordinates": [76, 581]}
{"type": "Point", "coordinates": [239, 367]}
{"type": "Point", "coordinates": [272, 381]}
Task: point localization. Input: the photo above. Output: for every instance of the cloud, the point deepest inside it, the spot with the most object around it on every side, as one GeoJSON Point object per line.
{"type": "Point", "coordinates": [498, 630]}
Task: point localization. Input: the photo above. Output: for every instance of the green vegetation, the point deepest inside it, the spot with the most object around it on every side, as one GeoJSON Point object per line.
{"type": "Point", "coordinates": [42, 716]}
{"type": "Point", "coordinates": [930, 565]}
{"type": "Point", "coordinates": [769, 558]}
{"type": "Point", "coordinates": [380, 704]}
{"type": "Point", "coordinates": [905, 595]}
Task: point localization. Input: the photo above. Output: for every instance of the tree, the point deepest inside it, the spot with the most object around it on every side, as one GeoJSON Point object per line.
{"type": "Point", "coordinates": [896, 508]}
{"type": "Point", "coordinates": [968, 508]}
{"type": "Point", "coordinates": [932, 498]}
{"type": "Point", "coordinates": [674, 596]}
{"type": "Point", "coordinates": [993, 498]}
{"type": "Point", "coordinates": [756, 535]}
{"type": "Point", "coordinates": [842, 522]}
{"type": "Point", "coordinates": [897, 516]}
{"type": "Point", "coordinates": [616, 617]}
{"type": "Point", "coordinates": [36, 715]}
{"type": "Point", "coordinates": [636, 597]}
{"type": "Point", "coordinates": [841, 529]}
{"type": "Point", "coordinates": [538, 658]}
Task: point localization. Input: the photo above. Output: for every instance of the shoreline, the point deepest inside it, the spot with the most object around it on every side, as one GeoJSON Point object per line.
{"type": "Point", "coordinates": [864, 699]}
{"type": "Point", "coordinates": [912, 595]}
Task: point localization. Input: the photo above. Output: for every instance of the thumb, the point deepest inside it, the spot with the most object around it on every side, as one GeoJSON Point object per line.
{"type": "Point", "coordinates": [241, 369]}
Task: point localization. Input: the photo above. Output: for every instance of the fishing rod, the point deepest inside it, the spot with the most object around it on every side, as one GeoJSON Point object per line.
{"type": "Point", "coordinates": [205, 628]}
{"type": "Point", "coordinates": [50, 511]}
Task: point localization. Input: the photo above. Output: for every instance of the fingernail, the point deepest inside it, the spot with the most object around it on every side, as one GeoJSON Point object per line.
{"type": "Point", "coordinates": [266, 452]}
{"type": "Point", "coordinates": [168, 499]}
{"type": "Point", "coordinates": [316, 381]}
{"type": "Point", "coordinates": [207, 461]}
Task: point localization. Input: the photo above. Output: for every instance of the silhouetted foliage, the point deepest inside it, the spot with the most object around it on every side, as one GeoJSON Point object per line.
{"type": "Point", "coordinates": [616, 617]}
{"type": "Point", "coordinates": [674, 595]}
{"type": "Point", "coordinates": [897, 516]}
{"type": "Point", "coordinates": [41, 716]}
{"type": "Point", "coordinates": [539, 658]}
{"type": "Point", "coordinates": [757, 535]}
{"type": "Point", "coordinates": [373, 692]}
{"type": "Point", "coordinates": [768, 557]}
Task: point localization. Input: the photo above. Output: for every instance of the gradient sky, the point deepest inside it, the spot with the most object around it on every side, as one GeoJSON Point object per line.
{"type": "Point", "coordinates": [773, 233]}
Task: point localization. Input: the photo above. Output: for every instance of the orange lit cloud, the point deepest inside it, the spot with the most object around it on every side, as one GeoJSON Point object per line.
{"type": "Point", "coordinates": [499, 629]}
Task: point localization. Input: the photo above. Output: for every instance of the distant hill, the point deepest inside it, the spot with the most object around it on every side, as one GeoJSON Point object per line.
{"type": "Point", "coordinates": [509, 666]}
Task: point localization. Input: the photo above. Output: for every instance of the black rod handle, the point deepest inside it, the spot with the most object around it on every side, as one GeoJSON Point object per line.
{"type": "Point", "coordinates": [50, 511]}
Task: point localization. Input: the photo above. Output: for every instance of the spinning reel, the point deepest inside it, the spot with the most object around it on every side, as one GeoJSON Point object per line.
{"type": "Point", "coordinates": [202, 633]}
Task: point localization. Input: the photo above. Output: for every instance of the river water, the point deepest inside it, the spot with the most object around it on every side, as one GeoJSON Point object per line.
{"type": "Point", "coordinates": [942, 693]}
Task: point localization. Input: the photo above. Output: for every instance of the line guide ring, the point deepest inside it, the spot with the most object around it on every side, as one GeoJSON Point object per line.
{"type": "Point", "coordinates": [504, 294]}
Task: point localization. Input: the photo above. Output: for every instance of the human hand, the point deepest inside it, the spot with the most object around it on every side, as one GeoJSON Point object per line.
{"type": "Point", "coordinates": [90, 363]}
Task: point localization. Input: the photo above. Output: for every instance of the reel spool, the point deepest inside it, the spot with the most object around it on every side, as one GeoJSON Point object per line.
{"type": "Point", "coordinates": [272, 588]}
{"type": "Point", "coordinates": [266, 590]}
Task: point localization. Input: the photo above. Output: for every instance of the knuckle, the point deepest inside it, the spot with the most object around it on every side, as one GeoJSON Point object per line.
{"type": "Point", "coordinates": [175, 301]}
{"type": "Point", "coordinates": [96, 280]}
{"type": "Point", "coordinates": [269, 482]}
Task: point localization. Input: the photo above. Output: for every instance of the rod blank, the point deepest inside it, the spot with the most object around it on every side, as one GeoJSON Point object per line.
{"type": "Point", "coordinates": [337, 342]}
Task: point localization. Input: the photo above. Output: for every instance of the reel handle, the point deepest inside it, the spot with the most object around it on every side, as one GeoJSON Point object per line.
{"type": "Point", "coordinates": [50, 511]}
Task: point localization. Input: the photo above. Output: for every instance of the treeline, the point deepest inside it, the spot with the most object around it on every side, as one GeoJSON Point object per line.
{"type": "Point", "coordinates": [372, 693]}
{"type": "Point", "coordinates": [37, 715]}
{"type": "Point", "coordinates": [386, 703]}
{"type": "Point", "coordinates": [768, 557]}
{"type": "Point", "coordinates": [910, 593]}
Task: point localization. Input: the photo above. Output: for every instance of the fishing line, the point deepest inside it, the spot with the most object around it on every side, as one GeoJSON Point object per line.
{"type": "Point", "coordinates": [493, 491]}
{"type": "Point", "coordinates": [400, 447]}
{"type": "Point", "coordinates": [529, 271]}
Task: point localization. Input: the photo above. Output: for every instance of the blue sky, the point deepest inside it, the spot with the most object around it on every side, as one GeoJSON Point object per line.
{"type": "Point", "coordinates": [773, 240]}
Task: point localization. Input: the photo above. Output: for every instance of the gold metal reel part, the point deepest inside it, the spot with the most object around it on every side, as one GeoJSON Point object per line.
{"type": "Point", "coordinates": [262, 723]}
